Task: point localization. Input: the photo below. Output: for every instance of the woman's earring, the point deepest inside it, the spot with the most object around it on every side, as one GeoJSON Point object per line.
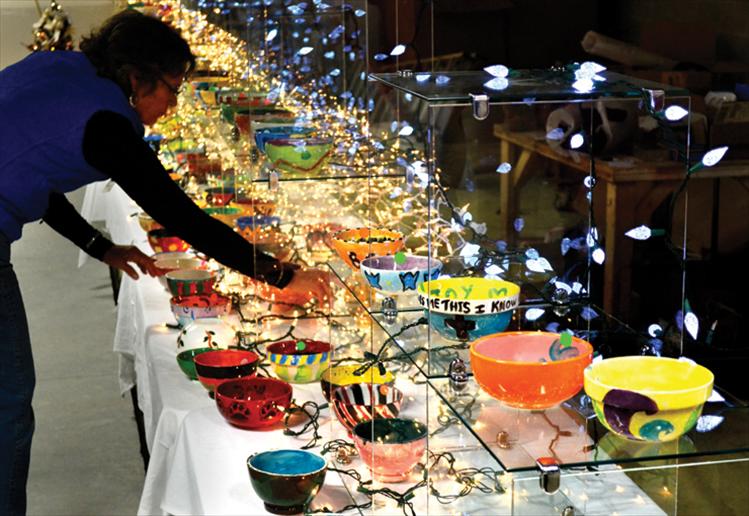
{"type": "Point", "coordinates": [132, 100]}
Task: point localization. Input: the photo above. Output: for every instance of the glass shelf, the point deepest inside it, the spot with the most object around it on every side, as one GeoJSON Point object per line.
{"type": "Point", "coordinates": [523, 86]}
{"type": "Point", "coordinates": [572, 434]}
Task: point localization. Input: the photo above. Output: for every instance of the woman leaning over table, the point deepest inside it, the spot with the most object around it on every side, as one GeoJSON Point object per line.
{"type": "Point", "coordinates": [72, 118]}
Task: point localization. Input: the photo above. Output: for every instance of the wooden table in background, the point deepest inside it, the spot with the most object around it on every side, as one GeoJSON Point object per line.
{"type": "Point", "coordinates": [632, 194]}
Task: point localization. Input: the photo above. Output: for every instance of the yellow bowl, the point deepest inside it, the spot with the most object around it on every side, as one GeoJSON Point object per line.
{"type": "Point", "coordinates": [648, 398]}
{"type": "Point", "coordinates": [340, 375]}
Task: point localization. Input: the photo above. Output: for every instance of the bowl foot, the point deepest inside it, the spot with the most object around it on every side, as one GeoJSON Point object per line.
{"type": "Point", "coordinates": [284, 509]}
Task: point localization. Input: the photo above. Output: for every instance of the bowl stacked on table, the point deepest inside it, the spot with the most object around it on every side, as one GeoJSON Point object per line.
{"type": "Point", "coordinates": [390, 447]}
{"type": "Point", "coordinates": [341, 375]}
{"type": "Point", "coordinates": [356, 245]}
{"type": "Point", "coordinates": [253, 403]}
{"type": "Point", "coordinates": [464, 309]}
{"type": "Point", "coordinates": [645, 398]}
{"type": "Point", "coordinates": [187, 309]}
{"type": "Point", "coordinates": [190, 282]}
{"type": "Point", "coordinates": [219, 366]}
{"type": "Point", "coordinates": [530, 370]}
{"type": "Point", "coordinates": [299, 361]}
{"type": "Point", "coordinates": [360, 402]}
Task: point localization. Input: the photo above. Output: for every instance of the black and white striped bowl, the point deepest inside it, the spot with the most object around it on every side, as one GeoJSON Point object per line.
{"type": "Point", "coordinates": [360, 402]}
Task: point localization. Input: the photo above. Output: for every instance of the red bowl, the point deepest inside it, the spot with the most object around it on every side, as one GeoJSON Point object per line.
{"type": "Point", "coordinates": [253, 402]}
{"type": "Point", "coordinates": [216, 367]}
{"type": "Point", "coordinates": [162, 241]}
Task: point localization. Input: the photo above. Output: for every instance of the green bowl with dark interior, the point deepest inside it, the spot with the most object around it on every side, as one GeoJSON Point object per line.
{"type": "Point", "coordinates": [185, 361]}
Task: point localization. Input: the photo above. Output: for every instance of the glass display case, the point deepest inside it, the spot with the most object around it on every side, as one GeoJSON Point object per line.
{"type": "Point", "coordinates": [478, 229]}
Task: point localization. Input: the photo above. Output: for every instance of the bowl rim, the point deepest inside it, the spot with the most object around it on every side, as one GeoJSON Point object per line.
{"type": "Point", "coordinates": [581, 357]}
{"type": "Point", "coordinates": [182, 355]}
{"type": "Point", "coordinates": [337, 236]}
{"type": "Point", "coordinates": [599, 386]}
{"type": "Point", "coordinates": [251, 354]}
{"type": "Point", "coordinates": [307, 452]}
{"type": "Point", "coordinates": [272, 348]}
{"type": "Point", "coordinates": [289, 390]}
{"type": "Point", "coordinates": [329, 370]}
{"type": "Point", "coordinates": [289, 142]}
{"type": "Point", "coordinates": [432, 263]}
{"type": "Point", "coordinates": [175, 276]}
{"type": "Point", "coordinates": [179, 300]}
{"type": "Point", "coordinates": [391, 419]}
{"type": "Point", "coordinates": [514, 291]}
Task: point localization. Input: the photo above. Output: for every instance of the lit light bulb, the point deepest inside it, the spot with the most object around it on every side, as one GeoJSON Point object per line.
{"type": "Point", "coordinates": [675, 113]}
{"type": "Point", "coordinates": [398, 50]}
{"type": "Point", "coordinates": [644, 232]}
{"type": "Point", "coordinates": [692, 324]}
{"type": "Point", "coordinates": [498, 70]}
{"type": "Point", "coordinates": [655, 330]}
{"type": "Point", "coordinates": [504, 168]}
{"type": "Point", "coordinates": [576, 141]}
{"type": "Point", "coordinates": [406, 131]}
{"type": "Point", "coordinates": [710, 158]}
{"type": "Point", "coordinates": [272, 34]}
{"type": "Point", "coordinates": [555, 134]}
{"type": "Point", "coordinates": [599, 256]}
{"type": "Point", "coordinates": [584, 85]}
{"type": "Point", "coordinates": [422, 77]}
{"type": "Point", "coordinates": [497, 84]}
{"type": "Point", "coordinates": [305, 50]}
{"type": "Point", "coordinates": [533, 314]}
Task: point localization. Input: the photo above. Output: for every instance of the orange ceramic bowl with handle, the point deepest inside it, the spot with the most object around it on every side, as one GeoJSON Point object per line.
{"type": "Point", "coordinates": [530, 370]}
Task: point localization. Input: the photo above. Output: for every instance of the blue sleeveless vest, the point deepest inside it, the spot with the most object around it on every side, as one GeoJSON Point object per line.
{"type": "Point", "coordinates": [45, 101]}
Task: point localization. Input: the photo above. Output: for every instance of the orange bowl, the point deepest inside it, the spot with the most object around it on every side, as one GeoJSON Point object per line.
{"type": "Point", "coordinates": [355, 245]}
{"type": "Point", "coordinates": [530, 370]}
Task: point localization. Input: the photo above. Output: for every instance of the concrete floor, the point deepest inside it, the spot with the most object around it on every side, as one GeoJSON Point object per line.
{"type": "Point", "coordinates": [85, 457]}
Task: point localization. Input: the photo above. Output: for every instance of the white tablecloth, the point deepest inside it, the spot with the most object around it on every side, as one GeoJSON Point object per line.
{"type": "Point", "coordinates": [198, 461]}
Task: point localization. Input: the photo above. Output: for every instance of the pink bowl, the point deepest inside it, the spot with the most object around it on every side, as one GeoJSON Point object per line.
{"type": "Point", "coordinates": [390, 447]}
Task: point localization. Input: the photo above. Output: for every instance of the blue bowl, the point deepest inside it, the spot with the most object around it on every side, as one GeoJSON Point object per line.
{"type": "Point", "coordinates": [286, 480]}
{"type": "Point", "coordinates": [466, 328]}
{"type": "Point", "coordinates": [256, 221]}
{"type": "Point", "coordinates": [390, 278]}
{"type": "Point", "coordinates": [276, 133]}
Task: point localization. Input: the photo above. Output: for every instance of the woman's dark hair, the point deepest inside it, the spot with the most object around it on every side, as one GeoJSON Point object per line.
{"type": "Point", "coordinates": [129, 42]}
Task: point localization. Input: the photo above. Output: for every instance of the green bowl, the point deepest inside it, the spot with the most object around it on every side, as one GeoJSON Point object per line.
{"type": "Point", "coordinates": [300, 156]}
{"type": "Point", "coordinates": [185, 361]}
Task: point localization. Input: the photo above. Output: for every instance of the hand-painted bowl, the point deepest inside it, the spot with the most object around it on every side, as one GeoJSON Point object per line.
{"type": "Point", "coordinates": [243, 116]}
{"type": "Point", "coordinates": [255, 206]}
{"type": "Point", "coordinates": [390, 447]}
{"type": "Point", "coordinates": [648, 398]}
{"type": "Point", "coordinates": [185, 361]}
{"type": "Point", "coordinates": [387, 276]}
{"type": "Point", "coordinates": [530, 370]}
{"type": "Point", "coordinates": [255, 402]}
{"type": "Point", "coordinates": [146, 223]}
{"type": "Point", "coordinates": [219, 196]}
{"type": "Point", "coordinates": [464, 309]}
{"type": "Point", "coordinates": [299, 361]}
{"type": "Point", "coordinates": [187, 309]}
{"type": "Point", "coordinates": [177, 255]}
{"type": "Point", "coordinates": [259, 229]}
{"type": "Point", "coordinates": [282, 132]}
{"type": "Point", "coordinates": [162, 240]}
{"type": "Point", "coordinates": [189, 282]}
{"type": "Point", "coordinates": [174, 264]}
{"type": "Point", "coordinates": [359, 402]}
{"type": "Point", "coordinates": [286, 480]}
{"type": "Point", "coordinates": [207, 333]}
{"type": "Point", "coordinates": [226, 214]}
{"type": "Point", "coordinates": [304, 156]}
{"type": "Point", "coordinates": [340, 375]}
{"type": "Point", "coordinates": [356, 245]}
{"type": "Point", "coordinates": [222, 365]}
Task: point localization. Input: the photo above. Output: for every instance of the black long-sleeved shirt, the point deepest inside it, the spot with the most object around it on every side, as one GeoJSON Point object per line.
{"type": "Point", "coordinates": [111, 146]}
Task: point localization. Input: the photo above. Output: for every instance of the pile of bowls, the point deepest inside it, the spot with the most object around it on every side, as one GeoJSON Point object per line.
{"type": "Point", "coordinates": [162, 240]}
{"type": "Point", "coordinates": [360, 402]}
{"type": "Point", "coordinates": [358, 244]}
{"type": "Point", "coordinates": [464, 309]}
{"type": "Point", "coordinates": [303, 156]}
{"type": "Point", "coordinates": [391, 277]}
{"type": "Point", "coordinates": [219, 366]}
{"type": "Point", "coordinates": [646, 398]}
{"type": "Point", "coordinates": [390, 447]}
{"type": "Point", "coordinates": [341, 375]}
{"type": "Point", "coordinates": [253, 403]}
{"type": "Point", "coordinates": [286, 480]}
{"type": "Point", "coordinates": [189, 308]}
{"type": "Point", "coordinates": [530, 370]}
{"type": "Point", "coordinates": [299, 361]}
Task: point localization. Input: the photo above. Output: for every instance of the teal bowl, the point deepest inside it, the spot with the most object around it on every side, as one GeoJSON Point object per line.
{"type": "Point", "coordinates": [286, 480]}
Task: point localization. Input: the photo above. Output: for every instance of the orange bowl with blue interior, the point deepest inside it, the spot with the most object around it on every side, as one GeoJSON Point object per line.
{"type": "Point", "coordinates": [643, 398]}
{"type": "Point", "coordinates": [530, 370]}
{"type": "Point", "coordinates": [356, 245]}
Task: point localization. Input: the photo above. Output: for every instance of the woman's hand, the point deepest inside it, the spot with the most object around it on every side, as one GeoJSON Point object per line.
{"type": "Point", "coordinates": [121, 256]}
{"type": "Point", "coordinates": [312, 283]}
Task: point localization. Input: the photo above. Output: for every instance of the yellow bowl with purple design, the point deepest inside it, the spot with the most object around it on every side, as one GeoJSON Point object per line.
{"type": "Point", "coordinates": [646, 398]}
